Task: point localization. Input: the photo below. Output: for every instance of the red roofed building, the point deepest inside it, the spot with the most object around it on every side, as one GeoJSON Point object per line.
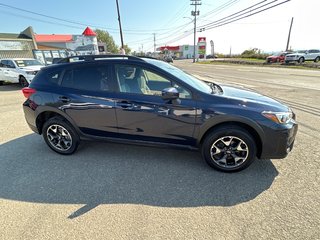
{"type": "Point", "coordinates": [53, 38]}
{"type": "Point", "coordinates": [87, 42]}
{"type": "Point", "coordinates": [62, 45]}
{"type": "Point", "coordinates": [46, 47]}
{"type": "Point", "coordinates": [88, 32]}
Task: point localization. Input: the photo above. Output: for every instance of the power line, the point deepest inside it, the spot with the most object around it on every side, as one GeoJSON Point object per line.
{"type": "Point", "coordinates": [240, 13]}
{"type": "Point", "coordinates": [39, 20]}
{"type": "Point", "coordinates": [265, 9]}
{"type": "Point", "coordinates": [220, 8]}
{"type": "Point", "coordinates": [219, 23]}
{"type": "Point", "coordinates": [114, 30]}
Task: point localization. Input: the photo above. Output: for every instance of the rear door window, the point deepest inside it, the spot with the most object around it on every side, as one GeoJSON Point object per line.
{"type": "Point", "coordinates": [90, 78]}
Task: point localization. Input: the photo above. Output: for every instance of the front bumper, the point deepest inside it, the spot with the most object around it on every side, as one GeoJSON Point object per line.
{"type": "Point", "coordinates": [291, 59]}
{"type": "Point", "coordinates": [280, 142]}
{"type": "Point", "coordinates": [271, 60]}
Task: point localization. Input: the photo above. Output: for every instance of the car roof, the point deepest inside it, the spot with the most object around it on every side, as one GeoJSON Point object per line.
{"type": "Point", "coordinates": [16, 59]}
{"type": "Point", "coordinates": [89, 59]}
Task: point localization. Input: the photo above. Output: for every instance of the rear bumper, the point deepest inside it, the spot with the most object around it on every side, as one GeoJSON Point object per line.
{"type": "Point", "coordinates": [280, 142]}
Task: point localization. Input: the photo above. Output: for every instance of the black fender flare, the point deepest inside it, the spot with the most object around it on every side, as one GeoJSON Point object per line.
{"type": "Point", "coordinates": [218, 120]}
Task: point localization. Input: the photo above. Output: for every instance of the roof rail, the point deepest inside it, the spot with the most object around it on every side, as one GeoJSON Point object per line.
{"type": "Point", "coordinates": [96, 57]}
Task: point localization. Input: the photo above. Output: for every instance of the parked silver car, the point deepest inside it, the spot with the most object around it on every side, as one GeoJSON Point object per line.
{"type": "Point", "coordinates": [304, 55]}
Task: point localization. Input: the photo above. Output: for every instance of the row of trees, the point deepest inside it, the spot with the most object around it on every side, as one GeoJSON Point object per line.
{"type": "Point", "coordinates": [112, 47]}
{"type": "Point", "coordinates": [254, 53]}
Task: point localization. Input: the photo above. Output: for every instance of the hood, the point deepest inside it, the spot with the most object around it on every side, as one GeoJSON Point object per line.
{"type": "Point", "coordinates": [250, 98]}
{"type": "Point", "coordinates": [32, 68]}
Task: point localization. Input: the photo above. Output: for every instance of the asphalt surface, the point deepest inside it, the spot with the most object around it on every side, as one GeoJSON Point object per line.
{"type": "Point", "coordinates": [114, 191]}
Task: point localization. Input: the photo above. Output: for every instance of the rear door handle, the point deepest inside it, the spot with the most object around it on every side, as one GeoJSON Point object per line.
{"type": "Point", "coordinates": [64, 99]}
{"type": "Point", "coordinates": [125, 104]}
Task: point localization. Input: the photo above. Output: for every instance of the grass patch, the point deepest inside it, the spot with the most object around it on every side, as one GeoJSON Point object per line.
{"type": "Point", "coordinates": [260, 63]}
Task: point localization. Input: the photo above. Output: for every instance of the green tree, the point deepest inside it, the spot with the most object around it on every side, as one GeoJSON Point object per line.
{"type": "Point", "coordinates": [105, 37]}
{"type": "Point", "coordinates": [127, 49]}
{"type": "Point", "coordinates": [253, 53]}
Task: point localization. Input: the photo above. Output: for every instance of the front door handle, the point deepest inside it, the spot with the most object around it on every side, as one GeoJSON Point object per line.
{"type": "Point", "coordinates": [64, 99]}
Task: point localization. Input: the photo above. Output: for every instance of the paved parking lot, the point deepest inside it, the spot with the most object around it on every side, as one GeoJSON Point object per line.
{"type": "Point", "coordinates": [114, 191]}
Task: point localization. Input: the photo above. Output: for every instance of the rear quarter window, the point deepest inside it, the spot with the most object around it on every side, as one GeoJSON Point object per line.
{"type": "Point", "coordinates": [47, 77]}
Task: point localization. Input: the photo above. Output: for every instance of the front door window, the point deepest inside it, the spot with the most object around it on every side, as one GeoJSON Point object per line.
{"type": "Point", "coordinates": [137, 80]}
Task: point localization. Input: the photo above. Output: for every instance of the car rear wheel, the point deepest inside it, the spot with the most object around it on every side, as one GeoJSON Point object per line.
{"type": "Point", "coordinates": [23, 81]}
{"type": "Point", "coordinates": [229, 149]}
{"type": "Point", "coordinates": [60, 136]}
{"type": "Point", "coordinates": [301, 60]}
{"type": "Point", "coordinates": [317, 59]}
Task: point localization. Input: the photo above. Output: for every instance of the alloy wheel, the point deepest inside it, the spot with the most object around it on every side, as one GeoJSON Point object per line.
{"type": "Point", "coordinates": [59, 137]}
{"type": "Point", "coordinates": [229, 151]}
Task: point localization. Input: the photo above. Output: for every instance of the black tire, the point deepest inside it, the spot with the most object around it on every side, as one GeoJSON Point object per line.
{"type": "Point", "coordinates": [317, 59]}
{"type": "Point", "coordinates": [287, 62]}
{"type": "Point", "coordinates": [239, 139]}
{"type": "Point", "coordinates": [23, 81]}
{"type": "Point", "coordinates": [301, 60]}
{"type": "Point", "coordinates": [1, 83]}
{"type": "Point", "coordinates": [63, 128]}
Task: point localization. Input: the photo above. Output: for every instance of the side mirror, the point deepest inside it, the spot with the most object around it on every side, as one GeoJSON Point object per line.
{"type": "Point", "coordinates": [170, 93]}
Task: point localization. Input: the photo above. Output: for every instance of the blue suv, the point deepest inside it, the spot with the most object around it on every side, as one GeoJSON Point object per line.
{"type": "Point", "coordinates": [146, 101]}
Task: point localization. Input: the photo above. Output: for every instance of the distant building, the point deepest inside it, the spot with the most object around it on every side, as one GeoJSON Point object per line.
{"type": "Point", "coordinates": [15, 45]}
{"type": "Point", "coordinates": [45, 47]}
{"type": "Point", "coordinates": [61, 45]}
{"type": "Point", "coordinates": [182, 51]}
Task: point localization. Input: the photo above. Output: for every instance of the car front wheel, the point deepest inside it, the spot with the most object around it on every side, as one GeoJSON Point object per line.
{"type": "Point", "coordinates": [317, 59]}
{"type": "Point", "coordinates": [229, 149]}
{"type": "Point", "coordinates": [60, 136]}
{"type": "Point", "coordinates": [301, 60]}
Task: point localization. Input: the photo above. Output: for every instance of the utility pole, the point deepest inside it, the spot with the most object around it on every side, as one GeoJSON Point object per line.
{"type": "Point", "coordinates": [154, 43]}
{"type": "Point", "coordinates": [195, 13]}
{"type": "Point", "coordinates": [287, 48]}
{"type": "Point", "coordinates": [122, 45]}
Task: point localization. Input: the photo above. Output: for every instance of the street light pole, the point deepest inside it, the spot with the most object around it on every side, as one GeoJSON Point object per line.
{"type": "Point", "coordinates": [195, 13]}
{"type": "Point", "coordinates": [122, 45]}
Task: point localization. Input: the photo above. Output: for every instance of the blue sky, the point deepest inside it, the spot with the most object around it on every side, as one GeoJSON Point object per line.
{"type": "Point", "coordinates": [140, 18]}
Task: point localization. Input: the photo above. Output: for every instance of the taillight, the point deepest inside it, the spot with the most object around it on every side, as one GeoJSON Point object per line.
{"type": "Point", "coordinates": [27, 92]}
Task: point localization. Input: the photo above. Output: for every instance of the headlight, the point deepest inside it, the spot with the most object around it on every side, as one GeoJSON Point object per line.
{"type": "Point", "coordinates": [278, 117]}
{"type": "Point", "coordinates": [31, 72]}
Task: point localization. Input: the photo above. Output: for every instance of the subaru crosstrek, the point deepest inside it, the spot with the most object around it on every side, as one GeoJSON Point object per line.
{"type": "Point", "coordinates": [146, 101]}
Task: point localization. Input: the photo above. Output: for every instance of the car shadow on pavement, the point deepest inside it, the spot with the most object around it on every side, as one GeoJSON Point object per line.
{"type": "Point", "coordinates": [108, 173]}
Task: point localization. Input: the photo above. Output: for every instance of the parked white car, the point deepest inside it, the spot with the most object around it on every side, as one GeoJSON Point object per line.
{"type": "Point", "coordinates": [19, 70]}
{"type": "Point", "coordinates": [303, 55]}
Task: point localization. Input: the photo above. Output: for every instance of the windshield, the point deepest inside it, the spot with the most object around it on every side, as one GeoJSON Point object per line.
{"type": "Point", "coordinates": [28, 62]}
{"type": "Point", "coordinates": [302, 51]}
{"type": "Point", "coordinates": [188, 79]}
